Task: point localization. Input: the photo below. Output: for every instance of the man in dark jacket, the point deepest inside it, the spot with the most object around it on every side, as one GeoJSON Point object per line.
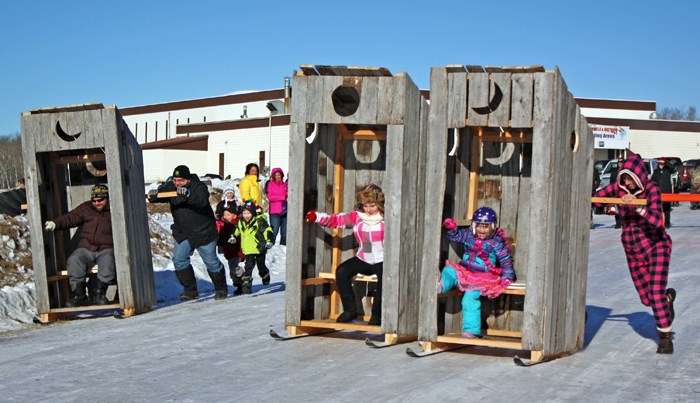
{"type": "Point", "coordinates": [613, 179]}
{"type": "Point", "coordinates": [96, 246]}
{"type": "Point", "coordinates": [662, 177]}
{"type": "Point", "coordinates": [194, 227]}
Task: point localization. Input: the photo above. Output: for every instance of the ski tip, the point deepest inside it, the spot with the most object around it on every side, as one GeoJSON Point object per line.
{"type": "Point", "coordinates": [522, 363]}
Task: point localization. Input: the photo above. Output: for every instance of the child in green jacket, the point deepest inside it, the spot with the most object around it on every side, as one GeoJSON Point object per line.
{"type": "Point", "coordinates": [255, 235]}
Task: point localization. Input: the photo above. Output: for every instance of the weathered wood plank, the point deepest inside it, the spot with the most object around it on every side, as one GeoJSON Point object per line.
{"type": "Point", "coordinates": [501, 114]}
{"type": "Point", "coordinates": [478, 99]}
{"type": "Point", "coordinates": [295, 225]}
{"type": "Point", "coordinates": [521, 102]}
{"type": "Point", "coordinates": [457, 101]}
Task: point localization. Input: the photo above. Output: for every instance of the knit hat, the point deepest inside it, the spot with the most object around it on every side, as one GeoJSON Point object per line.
{"type": "Point", "coordinates": [227, 190]}
{"type": "Point", "coordinates": [181, 171]}
{"type": "Point", "coordinates": [250, 206]}
{"type": "Point", "coordinates": [99, 192]}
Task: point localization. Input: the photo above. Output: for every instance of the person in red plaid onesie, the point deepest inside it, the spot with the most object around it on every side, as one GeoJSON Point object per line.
{"type": "Point", "coordinates": [646, 243]}
{"type": "Point", "coordinates": [367, 223]}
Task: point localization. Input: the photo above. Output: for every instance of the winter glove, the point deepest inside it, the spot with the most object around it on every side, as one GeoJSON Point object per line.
{"type": "Point", "coordinates": [505, 282]}
{"type": "Point", "coordinates": [49, 225]}
{"type": "Point", "coordinates": [311, 216]}
{"type": "Point", "coordinates": [449, 223]}
{"type": "Point", "coordinates": [152, 195]}
{"type": "Point", "coordinates": [612, 210]}
{"type": "Point", "coordinates": [232, 240]}
{"type": "Point", "coordinates": [183, 191]}
{"type": "Point", "coordinates": [268, 245]}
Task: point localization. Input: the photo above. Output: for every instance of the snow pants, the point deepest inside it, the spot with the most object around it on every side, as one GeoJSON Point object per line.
{"type": "Point", "coordinates": [343, 278]}
{"type": "Point", "coordinates": [471, 304]}
{"type": "Point", "coordinates": [648, 264]}
{"type": "Point", "coordinates": [82, 260]}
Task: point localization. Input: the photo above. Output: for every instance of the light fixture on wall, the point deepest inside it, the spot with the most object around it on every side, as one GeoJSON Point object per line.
{"type": "Point", "coordinates": [245, 112]}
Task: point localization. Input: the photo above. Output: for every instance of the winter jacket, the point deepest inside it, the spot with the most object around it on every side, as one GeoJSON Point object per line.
{"type": "Point", "coordinates": [223, 204]}
{"type": "Point", "coordinates": [225, 230]}
{"type": "Point", "coordinates": [638, 228]}
{"type": "Point", "coordinates": [96, 233]}
{"type": "Point", "coordinates": [277, 193]}
{"type": "Point", "coordinates": [662, 177]}
{"type": "Point", "coordinates": [488, 255]}
{"type": "Point", "coordinates": [193, 217]}
{"type": "Point", "coordinates": [254, 234]}
{"type": "Point", "coordinates": [250, 189]}
{"type": "Point", "coordinates": [368, 231]}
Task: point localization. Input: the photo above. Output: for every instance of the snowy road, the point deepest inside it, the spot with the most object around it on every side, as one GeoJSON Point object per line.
{"type": "Point", "coordinates": [221, 351]}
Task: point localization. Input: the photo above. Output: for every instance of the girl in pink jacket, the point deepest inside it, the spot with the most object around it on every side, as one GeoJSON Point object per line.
{"type": "Point", "coordinates": [367, 223]}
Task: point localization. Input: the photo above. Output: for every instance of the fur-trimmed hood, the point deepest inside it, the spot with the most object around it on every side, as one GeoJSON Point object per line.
{"type": "Point", "coordinates": [634, 167]}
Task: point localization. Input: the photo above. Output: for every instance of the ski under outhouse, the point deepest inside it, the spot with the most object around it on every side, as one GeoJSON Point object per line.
{"type": "Point", "coordinates": [66, 151]}
{"type": "Point", "coordinates": [352, 126]}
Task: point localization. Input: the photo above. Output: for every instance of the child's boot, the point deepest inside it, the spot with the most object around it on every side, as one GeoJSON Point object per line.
{"type": "Point", "coordinates": [247, 286]}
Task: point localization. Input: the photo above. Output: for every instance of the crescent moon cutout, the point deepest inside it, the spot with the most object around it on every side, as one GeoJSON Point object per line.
{"type": "Point", "coordinates": [65, 136]}
{"type": "Point", "coordinates": [455, 137]}
{"type": "Point", "coordinates": [504, 157]}
{"type": "Point", "coordinates": [493, 104]}
{"type": "Point", "coordinates": [310, 133]}
{"type": "Point", "coordinates": [94, 171]}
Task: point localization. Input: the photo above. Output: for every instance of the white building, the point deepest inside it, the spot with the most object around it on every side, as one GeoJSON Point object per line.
{"type": "Point", "coordinates": [645, 135]}
{"type": "Point", "coordinates": [221, 135]}
{"type": "Point", "coordinates": [218, 135]}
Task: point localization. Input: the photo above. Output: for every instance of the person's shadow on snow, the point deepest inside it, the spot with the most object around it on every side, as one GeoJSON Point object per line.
{"type": "Point", "coordinates": [639, 321]}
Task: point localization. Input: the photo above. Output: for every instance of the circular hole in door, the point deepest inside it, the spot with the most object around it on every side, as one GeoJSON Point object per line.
{"type": "Point", "coordinates": [346, 100]}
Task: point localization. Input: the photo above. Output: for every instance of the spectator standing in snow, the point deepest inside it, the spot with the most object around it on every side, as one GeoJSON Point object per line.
{"type": "Point", "coordinates": [367, 223]}
{"type": "Point", "coordinates": [647, 245]}
{"type": "Point", "coordinates": [662, 177]}
{"type": "Point", "coordinates": [277, 191]}
{"type": "Point", "coordinates": [231, 247]}
{"type": "Point", "coordinates": [194, 227]}
{"type": "Point", "coordinates": [596, 183]}
{"type": "Point", "coordinates": [254, 232]}
{"type": "Point", "coordinates": [228, 201]}
{"type": "Point", "coordinates": [96, 247]}
{"type": "Point", "coordinates": [613, 179]}
{"type": "Point", "coordinates": [250, 186]}
{"type": "Point", "coordinates": [486, 268]}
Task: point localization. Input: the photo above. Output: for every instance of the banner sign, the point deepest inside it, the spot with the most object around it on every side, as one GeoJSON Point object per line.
{"type": "Point", "coordinates": [611, 137]}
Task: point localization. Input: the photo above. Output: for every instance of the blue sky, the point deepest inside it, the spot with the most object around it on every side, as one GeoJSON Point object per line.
{"type": "Point", "coordinates": [131, 53]}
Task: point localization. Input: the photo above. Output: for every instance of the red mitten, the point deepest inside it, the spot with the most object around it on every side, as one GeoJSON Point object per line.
{"type": "Point", "coordinates": [449, 223]}
{"type": "Point", "coordinates": [311, 216]}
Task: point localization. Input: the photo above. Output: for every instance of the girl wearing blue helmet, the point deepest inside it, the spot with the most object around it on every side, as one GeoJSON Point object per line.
{"type": "Point", "coordinates": [486, 268]}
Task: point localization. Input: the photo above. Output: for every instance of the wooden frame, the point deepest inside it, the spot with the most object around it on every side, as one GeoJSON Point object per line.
{"type": "Point", "coordinates": [384, 119]}
{"type": "Point", "coordinates": [540, 192]}
{"type": "Point", "coordinates": [59, 146]}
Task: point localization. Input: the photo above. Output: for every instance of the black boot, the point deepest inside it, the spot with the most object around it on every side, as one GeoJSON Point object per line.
{"type": "Point", "coordinates": [349, 308]}
{"type": "Point", "coordinates": [671, 296]}
{"type": "Point", "coordinates": [77, 296]}
{"type": "Point", "coordinates": [247, 286]}
{"type": "Point", "coordinates": [100, 297]}
{"type": "Point", "coordinates": [189, 282]}
{"type": "Point", "coordinates": [266, 278]}
{"type": "Point", "coordinates": [665, 343]}
{"type": "Point", "coordinates": [376, 319]}
{"type": "Point", "coordinates": [220, 287]}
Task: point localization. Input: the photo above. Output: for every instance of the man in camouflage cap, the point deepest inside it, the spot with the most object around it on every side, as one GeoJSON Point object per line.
{"type": "Point", "coordinates": [96, 247]}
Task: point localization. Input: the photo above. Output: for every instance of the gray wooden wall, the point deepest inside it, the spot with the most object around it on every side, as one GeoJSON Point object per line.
{"type": "Point", "coordinates": [388, 104]}
{"type": "Point", "coordinates": [541, 195]}
{"type": "Point", "coordinates": [53, 141]}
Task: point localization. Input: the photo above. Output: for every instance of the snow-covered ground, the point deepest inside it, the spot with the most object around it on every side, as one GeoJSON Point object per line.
{"type": "Point", "coordinates": [210, 350]}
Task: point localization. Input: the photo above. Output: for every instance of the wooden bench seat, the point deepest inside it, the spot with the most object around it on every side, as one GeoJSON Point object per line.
{"type": "Point", "coordinates": [513, 289]}
{"type": "Point", "coordinates": [330, 277]}
{"type": "Point", "coordinates": [63, 274]}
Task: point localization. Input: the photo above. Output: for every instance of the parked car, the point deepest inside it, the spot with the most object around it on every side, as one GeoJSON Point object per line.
{"type": "Point", "coordinates": [651, 164]}
{"type": "Point", "coordinates": [599, 165]}
{"type": "Point", "coordinates": [686, 175]}
{"type": "Point", "coordinates": [676, 166]}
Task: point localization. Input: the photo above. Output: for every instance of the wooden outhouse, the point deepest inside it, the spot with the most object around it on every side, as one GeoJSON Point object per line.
{"type": "Point", "coordinates": [513, 139]}
{"type": "Point", "coordinates": [66, 151]}
{"type": "Point", "coordinates": [352, 126]}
